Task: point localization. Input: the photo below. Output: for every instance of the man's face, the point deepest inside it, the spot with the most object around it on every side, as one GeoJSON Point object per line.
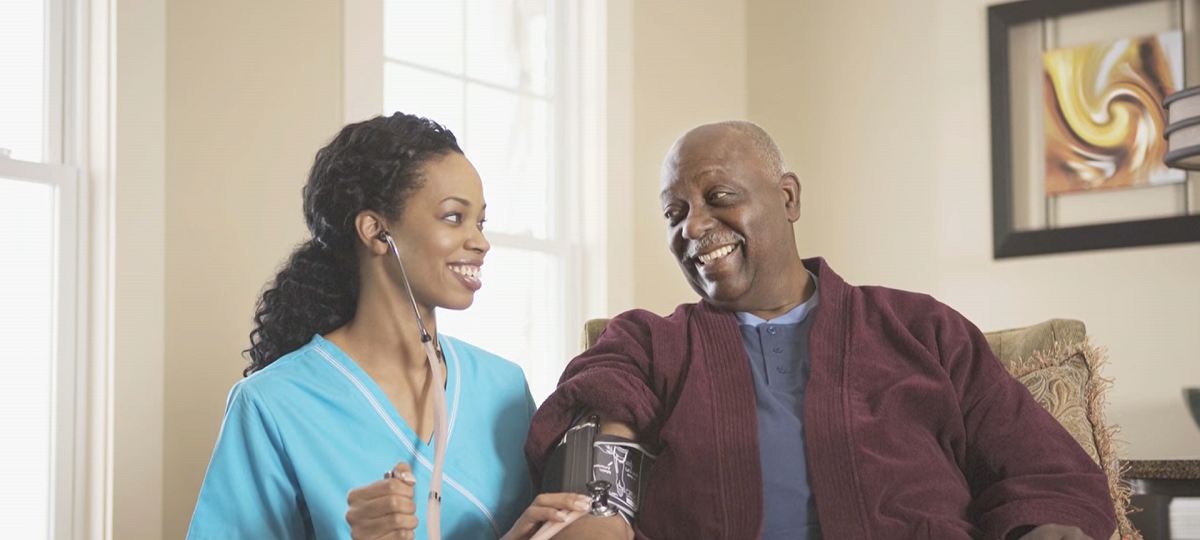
{"type": "Point", "coordinates": [728, 218]}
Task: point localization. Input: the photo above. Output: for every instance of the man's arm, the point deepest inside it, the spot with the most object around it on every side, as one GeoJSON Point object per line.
{"type": "Point", "coordinates": [602, 528]}
{"type": "Point", "coordinates": [1023, 467]}
{"type": "Point", "coordinates": [611, 380]}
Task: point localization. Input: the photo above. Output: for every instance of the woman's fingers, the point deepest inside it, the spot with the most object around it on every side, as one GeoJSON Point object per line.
{"type": "Point", "coordinates": [389, 527]}
{"type": "Point", "coordinates": [400, 480]}
{"type": "Point", "coordinates": [402, 471]}
{"type": "Point", "coordinates": [383, 509]}
{"type": "Point", "coordinates": [395, 525]}
{"type": "Point", "coordinates": [391, 524]}
{"type": "Point", "coordinates": [563, 501]}
{"type": "Point", "coordinates": [548, 508]}
{"type": "Point", "coordinates": [398, 535]}
{"type": "Point", "coordinates": [380, 507]}
{"type": "Point", "coordinates": [539, 514]}
{"type": "Point", "coordinates": [375, 490]}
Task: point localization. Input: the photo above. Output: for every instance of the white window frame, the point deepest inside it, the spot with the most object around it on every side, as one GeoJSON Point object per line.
{"type": "Point", "coordinates": [79, 469]}
{"type": "Point", "coordinates": [63, 180]}
{"type": "Point", "coordinates": [578, 76]}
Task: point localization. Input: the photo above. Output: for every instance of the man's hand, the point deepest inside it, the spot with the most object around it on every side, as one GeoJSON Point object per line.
{"type": "Point", "coordinates": [384, 509]}
{"type": "Point", "coordinates": [1056, 532]}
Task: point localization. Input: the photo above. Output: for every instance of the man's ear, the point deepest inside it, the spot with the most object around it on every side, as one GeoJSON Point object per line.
{"type": "Point", "coordinates": [789, 183]}
{"type": "Point", "coordinates": [370, 227]}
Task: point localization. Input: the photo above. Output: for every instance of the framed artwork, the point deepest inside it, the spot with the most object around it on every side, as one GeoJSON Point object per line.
{"type": "Point", "coordinates": [1077, 124]}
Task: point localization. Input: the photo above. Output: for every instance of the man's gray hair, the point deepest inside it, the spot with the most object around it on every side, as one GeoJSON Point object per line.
{"type": "Point", "coordinates": [761, 141]}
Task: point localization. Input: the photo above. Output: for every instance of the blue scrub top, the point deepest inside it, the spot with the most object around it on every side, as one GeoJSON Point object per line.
{"type": "Point", "coordinates": [301, 433]}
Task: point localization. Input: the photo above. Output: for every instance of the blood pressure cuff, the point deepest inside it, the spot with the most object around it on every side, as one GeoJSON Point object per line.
{"type": "Point", "coordinates": [585, 455]}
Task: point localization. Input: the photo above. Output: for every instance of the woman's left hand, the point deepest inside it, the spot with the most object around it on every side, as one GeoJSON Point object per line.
{"type": "Point", "coordinates": [547, 507]}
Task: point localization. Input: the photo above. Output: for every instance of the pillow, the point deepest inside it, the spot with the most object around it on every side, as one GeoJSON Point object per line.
{"type": "Point", "coordinates": [1061, 368]}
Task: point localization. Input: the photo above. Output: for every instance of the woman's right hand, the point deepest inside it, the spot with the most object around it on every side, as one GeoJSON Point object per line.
{"type": "Point", "coordinates": [547, 509]}
{"type": "Point", "coordinates": [384, 509]}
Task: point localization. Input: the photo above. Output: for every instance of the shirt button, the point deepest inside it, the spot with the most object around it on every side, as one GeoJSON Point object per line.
{"type": "Point", "coordinates": [770, 329]}
{"type": "Point", "coordinates": [777, 350]}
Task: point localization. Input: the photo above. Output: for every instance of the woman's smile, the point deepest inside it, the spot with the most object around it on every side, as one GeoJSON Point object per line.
{"type": "Point", "coordinates": [469, 274]}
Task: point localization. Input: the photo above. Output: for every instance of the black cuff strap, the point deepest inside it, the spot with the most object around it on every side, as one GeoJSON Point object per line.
{"type": "Point", "coordinates": [586, 456]}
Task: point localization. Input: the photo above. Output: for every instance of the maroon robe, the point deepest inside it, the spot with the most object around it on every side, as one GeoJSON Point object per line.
{"type": "Point", "coordinates": [913, 428]}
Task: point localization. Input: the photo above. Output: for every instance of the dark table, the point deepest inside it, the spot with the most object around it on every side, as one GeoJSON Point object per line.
{"type": "Point", "coordinates": [1154, 483]}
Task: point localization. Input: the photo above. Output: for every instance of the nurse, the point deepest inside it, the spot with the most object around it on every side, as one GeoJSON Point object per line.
{"type": "Point", "coordinates": [330, 435]}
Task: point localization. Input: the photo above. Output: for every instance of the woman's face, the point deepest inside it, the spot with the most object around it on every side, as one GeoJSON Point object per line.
{"type": "Point", "coordinates": [440, 234]}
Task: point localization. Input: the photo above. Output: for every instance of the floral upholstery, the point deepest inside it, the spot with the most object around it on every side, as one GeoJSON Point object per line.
{"type": "Point", "coordinates": [1062, 370]}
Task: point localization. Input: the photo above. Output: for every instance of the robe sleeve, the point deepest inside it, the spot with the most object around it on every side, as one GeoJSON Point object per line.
{"type": "Point", "coordinates": [249, 490]}
{"type": "Point", "coordinates": [1023, 467]}
{"type": "Point", "coordinates": [610, 378]}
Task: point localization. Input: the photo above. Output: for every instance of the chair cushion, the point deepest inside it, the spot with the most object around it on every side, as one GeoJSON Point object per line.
{"type": "Point", "coordinates": [1062, 370]}
{"type": "Point", "coordinates": [1059, 382]}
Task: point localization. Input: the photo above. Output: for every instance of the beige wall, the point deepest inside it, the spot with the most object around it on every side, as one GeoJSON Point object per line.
{"type": "Point", "coordinates": [253, 90]}
{"type": "Point", "coordinates": [883, 111]}
{"type": "Point", "coordinates": [136, 190]}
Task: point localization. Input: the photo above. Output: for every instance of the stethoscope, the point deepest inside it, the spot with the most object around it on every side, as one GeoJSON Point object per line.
{"type": "Point", "coordinates": [433, 514]}
{"type": "Point", "coordinates": [433, 525]}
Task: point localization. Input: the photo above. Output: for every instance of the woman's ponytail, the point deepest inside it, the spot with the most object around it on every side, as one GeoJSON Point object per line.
{"type": "Point", "coordinates": [313, 293]}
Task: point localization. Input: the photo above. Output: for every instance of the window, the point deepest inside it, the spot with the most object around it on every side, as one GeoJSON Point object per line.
{"type": "Point", "coordinates": [38, 271]}
{"type": "Point", "coordinates": [518, 82]}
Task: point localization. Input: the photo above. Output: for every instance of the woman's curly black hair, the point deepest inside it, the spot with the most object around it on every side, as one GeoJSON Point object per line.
{"type": "Point", "coordinates": [372, 165]}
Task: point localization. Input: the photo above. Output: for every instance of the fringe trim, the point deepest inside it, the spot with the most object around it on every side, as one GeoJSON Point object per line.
{"type": "Point", "coordinates": [1104, 433]}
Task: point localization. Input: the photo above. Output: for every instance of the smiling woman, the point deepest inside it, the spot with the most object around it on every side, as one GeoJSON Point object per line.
{"type": "Point", "coordinates": [339, 390]}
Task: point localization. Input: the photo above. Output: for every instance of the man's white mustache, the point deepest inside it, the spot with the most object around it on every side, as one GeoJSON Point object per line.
{"type": "Point", "coordinates": [694, 249]}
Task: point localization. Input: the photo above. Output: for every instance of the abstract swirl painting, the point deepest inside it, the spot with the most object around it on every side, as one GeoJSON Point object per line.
{"type": "Point", "coordinates": [1103, 113]}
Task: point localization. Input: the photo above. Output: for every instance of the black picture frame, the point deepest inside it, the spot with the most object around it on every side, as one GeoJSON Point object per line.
{"type": "Point", "coordinates": [1009, 242]}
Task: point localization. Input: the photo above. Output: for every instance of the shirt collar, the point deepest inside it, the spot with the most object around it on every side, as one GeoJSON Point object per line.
{"type": "Point", "coordinates": [794, 316]}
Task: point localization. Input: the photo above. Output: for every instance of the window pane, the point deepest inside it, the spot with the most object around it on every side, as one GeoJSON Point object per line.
{"type": "Point", "coordinates": [507, 42]}
{"type": "Point", "coordinates": [23, 78]}
{"type": "Point", "coordinates": [27, 271]}
{"type": "Point", "coordinates": [434, 96]}
{"type": "Point", "coordinates": [509, 144]}
{"type": "Point", "coordinates": [425, 33]}
{"type": "Point", "coordinates": [517, 314]}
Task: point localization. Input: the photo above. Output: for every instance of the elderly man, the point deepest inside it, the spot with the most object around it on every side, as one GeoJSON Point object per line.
{"type": "Point", "coordinates": [790, 404]}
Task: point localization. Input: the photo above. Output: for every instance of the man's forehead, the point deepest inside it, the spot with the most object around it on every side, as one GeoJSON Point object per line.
{"type": "Point", "coordinates": [710, 142]}
{"type": "Point", "coordinates": [692, 159]}
{"type": "Point", "coordinates": [675, 180]}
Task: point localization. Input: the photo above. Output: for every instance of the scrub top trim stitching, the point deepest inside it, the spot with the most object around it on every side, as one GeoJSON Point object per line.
{"type": "Point", "coordinates": [404, 440]}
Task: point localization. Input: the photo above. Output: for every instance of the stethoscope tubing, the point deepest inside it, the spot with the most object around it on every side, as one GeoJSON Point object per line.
{"type": "Point", "coordinates": [433, 513]}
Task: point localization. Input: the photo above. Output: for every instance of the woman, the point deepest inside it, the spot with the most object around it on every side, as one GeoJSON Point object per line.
{"type": "Point", "coordinates": [339, 391]}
